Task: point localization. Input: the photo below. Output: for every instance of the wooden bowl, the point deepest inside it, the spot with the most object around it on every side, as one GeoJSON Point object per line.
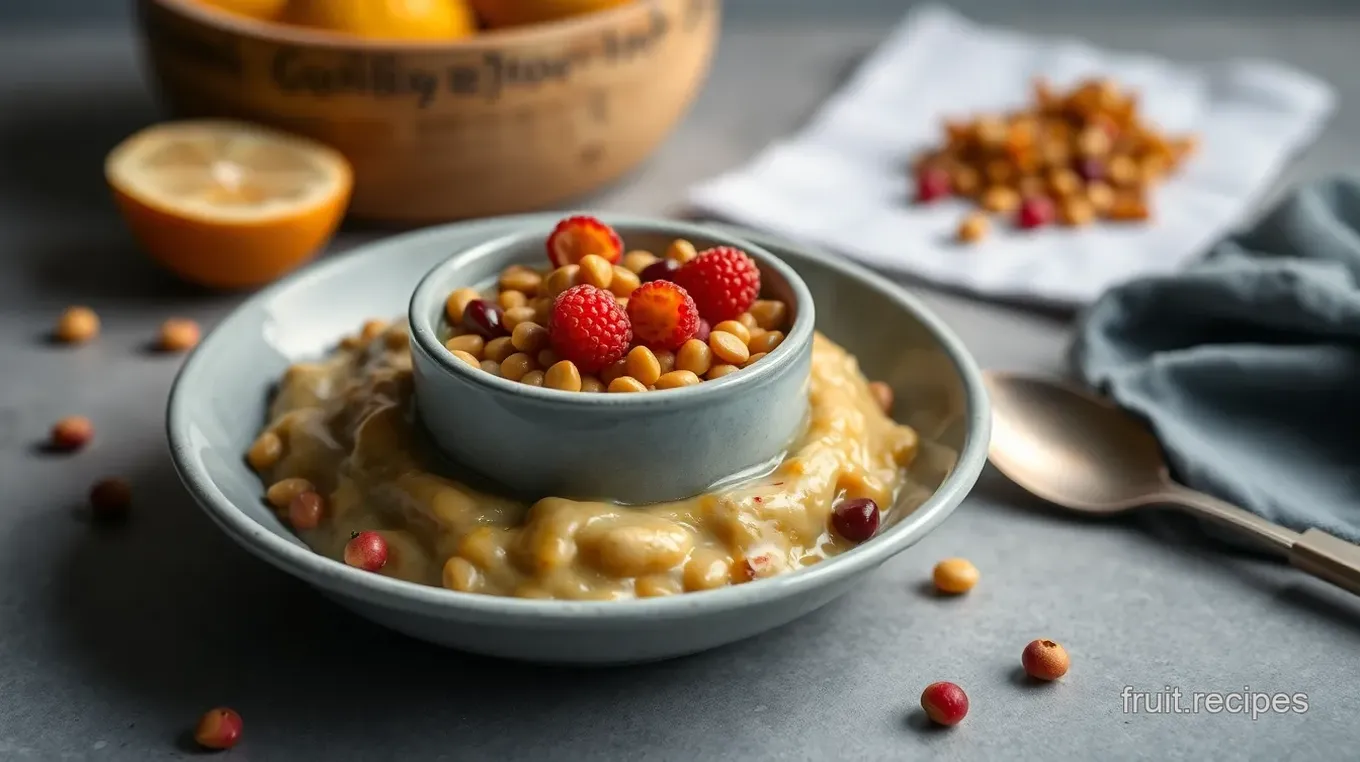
{"type": "Point", "coordinates": [503, 122]}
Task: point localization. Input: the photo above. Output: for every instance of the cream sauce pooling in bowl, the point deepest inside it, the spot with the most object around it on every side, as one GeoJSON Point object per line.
{"type": "Point", "coordinates": [345, 425]}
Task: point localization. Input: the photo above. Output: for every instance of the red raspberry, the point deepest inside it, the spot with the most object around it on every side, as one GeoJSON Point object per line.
{"type": "Point", "coordinates": [723, 283]}
{"type": "Point", "coordinates": [589, 328]}
{"type": "Point", "coordinates": [575, 237]}
{"type": "Point", "coordinates": [663, 315]}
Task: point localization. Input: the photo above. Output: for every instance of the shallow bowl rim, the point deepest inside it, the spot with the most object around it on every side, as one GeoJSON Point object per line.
{"type": "Point", "coordinates": [425, 338]}
{"type": "Point", "coordinates": [385, 592]}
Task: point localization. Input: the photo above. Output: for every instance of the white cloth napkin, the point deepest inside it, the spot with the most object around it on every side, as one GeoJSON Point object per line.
{"type": "Point", "coordinates": [843, 183]}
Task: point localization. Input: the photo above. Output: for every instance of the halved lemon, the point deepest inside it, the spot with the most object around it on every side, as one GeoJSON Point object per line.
{"type": "Point", "coordinates": [228, 204]}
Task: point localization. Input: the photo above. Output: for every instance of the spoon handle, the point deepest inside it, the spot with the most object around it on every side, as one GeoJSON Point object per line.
{"type": "Point", "coordinates": [1209, 507]}
{"type": "Point", "coordinates": [1327, 557]}
{"type": "Point", "coordinates": [1315, 552]}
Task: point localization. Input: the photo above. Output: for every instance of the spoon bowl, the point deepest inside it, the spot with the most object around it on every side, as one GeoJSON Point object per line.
{"type": "Point", "coordinates": [1070, 447]}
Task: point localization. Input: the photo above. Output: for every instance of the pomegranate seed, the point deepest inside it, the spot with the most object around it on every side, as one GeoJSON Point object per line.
{"type": "Point", "coordinates": [933, 183]}
{"type": "Point", "coordinates": [367, 551]}
{"type": "Point", "coordinates": [219, 728]}
{"type": "Point", "coordinates": [701, 333]}
{"type": "Point", "coordinates": [661, 269]}
{"type": "Point", "coordinates": [484, 318]}
{"type": "Point", "coordinates": [945, 703]}
{"type": "Point", "coordinates": [110, 499]}
{"type": "Point", "coordinates": [304, 511]}
{"type": "Point", "coordinates": [856, 520]}
{"type": "Point", "coordinates": [1036, 211]}
{"type": "Point", "coordinates": [1045, 660]}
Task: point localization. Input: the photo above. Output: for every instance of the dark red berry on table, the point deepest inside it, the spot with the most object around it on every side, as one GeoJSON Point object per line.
{"type": "Point", "coordinates": [932, 183]}
{"type": "Point", "coordinates": [111, 499]}
{"type": "Point", "coordinates": [945, 703]}
{"type": "Point", "coordinates": [701, 333]}
{"type": "Point", "coordinates": [662, 314]}
{"type": "Point", "coordinates": [1035, 212]}
{"type": "Point", "coordinates": [575, 237]}
{"type": "Point", "coordinates": [856, 520]}
{"type": "Point", "coordinates": [218, 729]}
{"type": "Point", "coordinates": [662, 269]}
{"type": "Point", "coordinates": [367, 551]}
{"type": "Point", "coordinates": [484, 319]}
{"type": "Point", "coordinates": [589, 328]}
{"type": "Point", "coordinates": [724, 282]}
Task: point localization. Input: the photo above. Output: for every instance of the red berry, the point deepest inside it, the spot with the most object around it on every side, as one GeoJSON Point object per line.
{"type": "Point", "coordinates": [723, 282]}
{"type": "Point", "coordinates": [856, 520]}
{"type": "Point", "coordinates": [484, 318]}
{"type": "Point", "coordinates": [219, 728]}
{"type": "Point", "coordinates": [931, 184]}
{"type": "Point", "coordinates": [662, 314]}
{"type": "Point", "coordinates": [589, 328]}
{"type": "Point", "coordinates": [659, 270]}
{"type": "Point", "coordinates": [945, 703]}
{"type": "Point", "coordinates": [367, 551]}
{"type": "Point", "coordinates": [1036, 211]}
{"type": "Point", "coordinates": [575, 237]}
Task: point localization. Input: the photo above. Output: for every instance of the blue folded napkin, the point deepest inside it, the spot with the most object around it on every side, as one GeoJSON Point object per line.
{"type": "Point", "coordinates": [1247, 365]}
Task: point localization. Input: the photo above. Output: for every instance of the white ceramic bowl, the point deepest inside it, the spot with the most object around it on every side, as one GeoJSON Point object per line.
{"type": "Point", "coordinates": [218, 405]}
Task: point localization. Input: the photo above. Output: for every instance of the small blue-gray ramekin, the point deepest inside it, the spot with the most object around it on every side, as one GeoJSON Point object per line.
{"type": "Point", "coordinates": [631, 448]}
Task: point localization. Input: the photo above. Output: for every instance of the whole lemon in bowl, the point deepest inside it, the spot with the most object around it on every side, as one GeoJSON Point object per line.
{"type": "Point", "coordinates": [498, 13]}
{"type": "Point", "coordinates": [264, 10]}
{"type": "Point", "coordinates": [385, 19]}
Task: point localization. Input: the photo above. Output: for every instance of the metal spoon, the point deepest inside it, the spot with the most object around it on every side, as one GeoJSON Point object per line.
{"type": "Point", "coordinates": [1082, 452]}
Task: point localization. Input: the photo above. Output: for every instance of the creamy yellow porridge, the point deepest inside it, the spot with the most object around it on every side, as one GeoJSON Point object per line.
{"type": "Point", "coordinates": [342, 428]}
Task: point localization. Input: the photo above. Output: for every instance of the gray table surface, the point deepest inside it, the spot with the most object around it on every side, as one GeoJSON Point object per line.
{"type": "Point", "coordinates": [112, 643]}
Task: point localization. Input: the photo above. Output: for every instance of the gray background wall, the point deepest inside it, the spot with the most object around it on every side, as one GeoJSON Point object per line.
{"type": "Point", "coordinates": [106, 12]}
